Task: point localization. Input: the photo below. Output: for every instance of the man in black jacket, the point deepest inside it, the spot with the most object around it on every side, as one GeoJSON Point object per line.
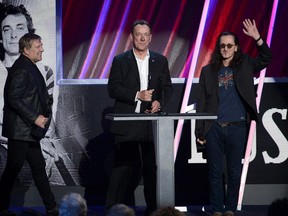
{"type": "Point", "coordinates": [140, 83]}
{"type": "Point", "coordinates": [26, 106]}
{"type": "Point", "coordinates": [226, 89]}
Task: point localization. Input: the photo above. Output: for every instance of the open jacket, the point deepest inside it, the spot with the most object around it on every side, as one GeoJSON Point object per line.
{"type": "Point", "coordinates": [25, 98]}
{"type": "Point", "coordinates": [124, 82]}
{"type": "Point", "coordinates": [207, 97]}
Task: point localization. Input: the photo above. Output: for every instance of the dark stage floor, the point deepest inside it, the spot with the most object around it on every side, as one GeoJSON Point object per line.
{"type": "Point", "coordinates": [191, 211]}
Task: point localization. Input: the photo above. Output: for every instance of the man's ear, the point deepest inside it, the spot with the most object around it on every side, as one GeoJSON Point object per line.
{"type": "Point", "coordinates": [26, 51]}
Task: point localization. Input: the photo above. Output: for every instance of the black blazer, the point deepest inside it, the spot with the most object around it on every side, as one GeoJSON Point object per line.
{"type": "Point", "coordinates": [25, 98]}
{"type": "Point", "coordinates": [124, 82]}
{"type": "Point", "coordinates": [207, 97]}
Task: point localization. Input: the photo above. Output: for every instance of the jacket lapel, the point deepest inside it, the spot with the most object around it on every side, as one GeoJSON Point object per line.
{"type": "Point", "coordinates": [133, 65]}
{"type": "Point", "coordinates": [215, 81]}
{"type": "Point", "coordinates": [39, 82]}
{"type": "Point", "coordinates": [152, 65]}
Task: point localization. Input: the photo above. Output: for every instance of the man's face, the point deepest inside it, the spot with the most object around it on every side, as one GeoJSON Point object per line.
{"type": "Point", "coordinates": [13, 27]}
{"type": "Point", "coordinates": [228, 47]}
{"type": "Point", "coordinates": [35, 52]}
{"type": "Point", "coordinates": [141, 37]}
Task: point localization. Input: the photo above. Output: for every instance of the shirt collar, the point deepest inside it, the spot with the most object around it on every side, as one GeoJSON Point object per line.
{"type": "Point", "coordinates": [147, 54]}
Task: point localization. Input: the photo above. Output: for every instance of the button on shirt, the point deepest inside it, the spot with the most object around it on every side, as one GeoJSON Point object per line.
{"type": "Point", "coordinates": [143, 68]}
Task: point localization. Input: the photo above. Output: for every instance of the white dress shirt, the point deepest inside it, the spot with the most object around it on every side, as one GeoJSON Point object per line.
{"type": "Point", "coordinates": [143, 68]}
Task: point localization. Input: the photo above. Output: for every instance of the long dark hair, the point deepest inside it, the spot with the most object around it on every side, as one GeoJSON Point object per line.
{"type": "Point", "coordinates": [216, 58]}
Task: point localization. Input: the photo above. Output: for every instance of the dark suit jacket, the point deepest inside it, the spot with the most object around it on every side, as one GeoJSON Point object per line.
{"type": "Point", "coordinates": [124, 82]}
{"type": "Point", "coordinates": [25, 98]}
{"type": "Point", "coordinates": [207, 99]}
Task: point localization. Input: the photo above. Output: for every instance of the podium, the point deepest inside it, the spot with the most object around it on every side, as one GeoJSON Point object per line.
{"type": "Point", "coordinates": [163, 129]}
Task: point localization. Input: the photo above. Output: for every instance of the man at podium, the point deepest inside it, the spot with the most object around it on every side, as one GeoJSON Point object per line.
{"type": "Point", "coordinates": [140, 83]}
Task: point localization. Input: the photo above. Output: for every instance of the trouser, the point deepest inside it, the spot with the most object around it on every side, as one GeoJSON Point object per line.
{"type": "Point", "coordinates": [18, 152]}
{"type": "Point", "coordinates": [229, 141]}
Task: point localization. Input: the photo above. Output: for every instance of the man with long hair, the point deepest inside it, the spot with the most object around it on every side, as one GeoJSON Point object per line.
{"type": "Point", "coordinates": [226, 89]}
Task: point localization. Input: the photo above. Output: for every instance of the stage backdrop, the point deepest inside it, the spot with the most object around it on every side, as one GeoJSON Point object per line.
{"type": "Point", "coordinates": [79, 146]}
{"type": "Point", "coordinates": [90, 42]}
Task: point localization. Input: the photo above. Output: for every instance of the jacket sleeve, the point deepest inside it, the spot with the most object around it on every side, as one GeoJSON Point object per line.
{"type": "Point", "coordinates": [200, 105]}
{"type": "Point", "coordinates": [263, 59]}
{"type": "Point", "coordinates": [15, 93]}
{"type": "Point", "coordinates": [120, 85]}
{"type": "Point", "coordinates": [166, 87]}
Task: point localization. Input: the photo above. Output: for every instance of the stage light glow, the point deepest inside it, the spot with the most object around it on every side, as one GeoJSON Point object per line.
{"type": "Point", "coordinates": [253, 123]}
{"type": "Point", "coordinates": [95, 38]}
{"type": "Point", "coordinates": [191, 75]}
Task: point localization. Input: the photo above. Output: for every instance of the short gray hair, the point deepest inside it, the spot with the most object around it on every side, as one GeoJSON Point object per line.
{"type": "Point", "coordinates": [73, 204]}
{"type": "Point", "coordinates": [27, 40]}
{"type": "Point", "coordinates": [120, 210]}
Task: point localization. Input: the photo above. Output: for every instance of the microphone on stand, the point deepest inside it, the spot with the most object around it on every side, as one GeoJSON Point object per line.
{"type": "Point", "coordinates": [149, 81]}
{"type": "Point", "coordinates": [162, 112]}
{"type": "Point", "coordinates": [149, 104]}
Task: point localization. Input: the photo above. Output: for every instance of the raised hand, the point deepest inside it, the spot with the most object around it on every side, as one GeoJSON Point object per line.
{"type": "Point", "coordinates": [251, 29]}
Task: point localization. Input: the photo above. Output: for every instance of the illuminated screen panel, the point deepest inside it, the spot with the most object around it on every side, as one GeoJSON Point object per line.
{"type": "Point", "coordinates": [89, 35]}
{"type": "Point", "coordinates": [94, 32]}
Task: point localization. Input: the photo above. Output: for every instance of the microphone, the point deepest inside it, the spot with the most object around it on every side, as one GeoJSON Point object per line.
{"type": "Point", "coordinates": [149, 81]}
{"type": "Point", "coordinates": [149, 104]}
{"type": "Point", "coordinates": [160, 81]}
